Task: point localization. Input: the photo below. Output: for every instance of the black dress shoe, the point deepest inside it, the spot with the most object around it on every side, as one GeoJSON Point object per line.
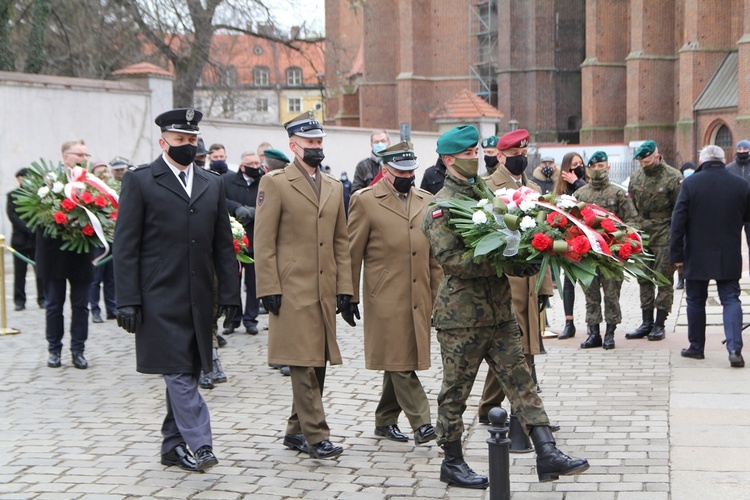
{"type": "Point", "coordinates": [391, 432]}
{"type": "Point", "coordinates": [484, 419]}
{"type": "Point", "coordinates": [251, 330]}
{"type": "Point", "coordinates": [424, 434]}
{"type": "Point", "coordinates": [20, 307]}
{"type": "Point", "coordinates": [221, 341]}
{"type": "Point", "coordinates": [691, 353]}
{"type": "Point", "coordinates": [96, 318]}
{"type": "Point", "coordinates": [325, 449]}
{"type": "Point", "coordinates": [205, 458]}
{"type": "Point", "coordinates": [54, 360]}
{"type": "Point", "coordinates": [228, 330]}
{"type": "Point", "coordinates": [296, 442]}
{"type": "Point", "coordinates": [284, 370]}
{"type": "Point", "coordinates": [205, 380]}
{"type": "Point", "coordinates": [179, 456]}
{"type": "Point", "coordinates": [79, 361]}
{"type": "Point", "coordinates": [736, 360]}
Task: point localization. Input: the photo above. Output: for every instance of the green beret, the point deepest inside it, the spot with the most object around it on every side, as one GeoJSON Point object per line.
{"type": "Point", "coordinates": [490, 142]}
{"type": "Point", "coordinates": [458, 140]}
{"type": "Point", "coordinates": [597, 157]}
{"type": "Point", "coordinates": [646, 149]}
{"type": "Point", "coordinates": [275, 154]}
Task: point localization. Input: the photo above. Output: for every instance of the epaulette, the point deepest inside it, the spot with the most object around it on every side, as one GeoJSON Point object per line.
{"type": "Point", "coordinates": [212, 171]}
{"type": "Point", "coordinates": [139, 167]}
{"type": "Point", "coordinates": [275, 172]}
{"type": "Point", "coordinates": [424, 192]}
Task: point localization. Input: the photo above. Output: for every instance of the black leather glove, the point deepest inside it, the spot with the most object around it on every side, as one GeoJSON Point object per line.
{"type": "Point", "coordinates": [229, 313]}
{"type": "Point", "coordinates": [523, 270]}
{"type": "Point", "coordinates": [272, 303]}
{"type": "Point", "coordinates": [245, 213]}
{"type": "Point", "coordinates": [350, 312]}
{"type": "Point", "coordinates": [543, 302]}
{"type": "Point", "coordinates": [342, 301]}
{"type": "Point", "coordinates": [128, 317]}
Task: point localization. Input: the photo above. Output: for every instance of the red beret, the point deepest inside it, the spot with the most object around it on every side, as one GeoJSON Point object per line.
{"type": "Point", "coordinates": [516, 139]}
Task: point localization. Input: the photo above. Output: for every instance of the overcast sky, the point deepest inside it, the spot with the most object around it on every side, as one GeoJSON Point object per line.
{"type": "Point", "coordinates": [294, 12]}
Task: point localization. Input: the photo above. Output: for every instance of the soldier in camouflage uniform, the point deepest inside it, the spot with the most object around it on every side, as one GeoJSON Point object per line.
{"type": "Point", "coordinates": [613, 199]}
{"type": "Point", "coordinates": [473, 316]}
{"type": "Point", "coordinates": [654, 189]}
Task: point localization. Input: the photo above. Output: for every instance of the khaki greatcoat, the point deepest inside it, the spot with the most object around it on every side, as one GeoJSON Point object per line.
{"type": "Point", "coordinates": [523, 290]}
{"type": "Point", "coordinates": [302, 253]}
{"type": "Point", "coordinates": [400, 276]}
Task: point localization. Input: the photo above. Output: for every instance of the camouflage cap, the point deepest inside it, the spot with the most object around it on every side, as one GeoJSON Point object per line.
{"type": "Point", "coordinates": [645, 150]}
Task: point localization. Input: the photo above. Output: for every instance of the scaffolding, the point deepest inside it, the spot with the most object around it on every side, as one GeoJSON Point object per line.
{"type": "Point", "coordinates": [483, 65]}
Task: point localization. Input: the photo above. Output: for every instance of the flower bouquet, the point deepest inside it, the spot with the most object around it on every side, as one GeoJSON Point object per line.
{"type": "Point", "coordinates": [520, 226]}
{"type": "Point", "coordinates": [71, 205]}
{"type": "Point", "coordinates": [241, 241]}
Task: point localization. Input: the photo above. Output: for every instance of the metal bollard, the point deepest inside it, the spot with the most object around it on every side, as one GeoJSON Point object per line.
{"type": "Point", "coordinates": [4, 330]}
{"type": "Point", "coordinates": [499, 445]}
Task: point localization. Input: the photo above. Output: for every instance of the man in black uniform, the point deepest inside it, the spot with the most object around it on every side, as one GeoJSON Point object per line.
{"type": "Point", "coordinates": [172, 238]}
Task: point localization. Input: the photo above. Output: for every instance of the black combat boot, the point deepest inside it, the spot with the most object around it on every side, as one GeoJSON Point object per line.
{"type": "Point", "coordinates": [680, 282]}
{"type": "Point", "coordinates": [205, 380]}
{"type": "Point", "coordinates": [217, 376]}
{"type": "Point", "coordinates": [594, 340]}
{"type": "Point", "coordinates": [645, 328]}
{"type": "Point", "coordinates": [609, 337]}
{"type": "Point", "coordinates": [568, 331]}
{"type": "Point", "coordinates": [551, 463]}
{"type": "Point", "coordinates": [456, 472]}
{"type": "Point", "coordinates": [657, 332]}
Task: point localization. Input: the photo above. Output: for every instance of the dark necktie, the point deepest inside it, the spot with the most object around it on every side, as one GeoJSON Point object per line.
{"type": "Point", "coordinates": [183, 178]}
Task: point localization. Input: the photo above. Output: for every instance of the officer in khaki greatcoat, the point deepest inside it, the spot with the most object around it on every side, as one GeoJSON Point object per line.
{"type": "Point", "coordinates": [527, 302]}
{"type": "Point", "coordinates": [303, 275]}
{"type": "Point", "coordinates": [400, 282]}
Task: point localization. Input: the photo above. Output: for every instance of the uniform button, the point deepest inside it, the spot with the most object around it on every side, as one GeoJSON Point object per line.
{"type": "Point", "coordinates": [321, 271]}
{"type": "Point", "coordinates": [411, 226]}
{"type": "Point", "coordinates": [193, 273]}
{"type": "Point", "coordinates": [321, 243]}
{"type": "Point", "coordinates": [415, 306]}
{"type": "Point", "coordinates": [414, 253]}
{"type": "Point", "coordinates": [192, 242]}
{"type": "Point", "coordinates": [192, 211]}
{"type": "Point", "coordinates": [414, 280]}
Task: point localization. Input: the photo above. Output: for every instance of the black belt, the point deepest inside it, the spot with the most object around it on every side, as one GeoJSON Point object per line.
{"type": "Point", "coordinates": [656, 215]}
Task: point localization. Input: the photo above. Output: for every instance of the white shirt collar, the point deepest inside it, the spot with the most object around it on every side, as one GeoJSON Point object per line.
{"type": "Point", "coordinates": [176, 171]}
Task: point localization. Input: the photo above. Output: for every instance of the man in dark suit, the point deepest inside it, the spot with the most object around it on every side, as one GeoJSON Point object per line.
{"type": "Point", "coordinates": [241, 189]}
{"type": "Point", "coordinates": [55, 266]}
{"type": "Point", "coordinates": [23, 241]}
{"type": "Point", "coordinates": [172, 238]}
{"type": "Point", "coordinates": [706, 240]}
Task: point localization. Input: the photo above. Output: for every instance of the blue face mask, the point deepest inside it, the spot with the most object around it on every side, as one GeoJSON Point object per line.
{"type": "Point", "coordinates": [688, 172]}
{"type": "Point", "coordinates": [378, 147]}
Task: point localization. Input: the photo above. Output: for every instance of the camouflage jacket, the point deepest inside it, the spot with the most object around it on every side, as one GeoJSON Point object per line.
{"type": "Point", "coordinates": [608, 196]}
{"type": "Point", "coordinates": [654, 193]}
{"type": "Point", "coordinates": [471, 294]}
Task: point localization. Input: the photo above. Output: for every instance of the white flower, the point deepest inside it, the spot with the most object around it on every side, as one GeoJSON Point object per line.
{"type": "Point", "coordinates": [566, 201]}
{"type": "Point", "coordinates": [482, 202]}
{"type": "Point", "coordinates": [504, 192]}
{"type": "Point", "coordinates": [57, 187]}
{"type": "Point", "coordinates": [238, 230]}
{"type": "Point", "coordinates": [533, 195]}
{"type": "Point", "coordinates": [52, 176]}
{"type": "Point", "coordinates": [527, 205]}
{"type": "Point", "coordinates": [527, 223]}
{"type": "Point", "coordinates": [42, 192]}
{"type": "Point", "coordinates": [479, 217]}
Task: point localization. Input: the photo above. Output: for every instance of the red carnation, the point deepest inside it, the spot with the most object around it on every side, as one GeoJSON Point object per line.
{"type": "Point", "coordinates": [541, 242]}
{"type": "Point", "coordinates": [573, 256]}
{"type": "Point", "coordinates": [88, 230]}
{"type": "Point", "coordinates": [60, 217]}
{"type": "Point", "coordinates": [236, 246]}
{"type": "Point", "coordinates": [624, 251]}
{"type": "Point", "coordinates": [113, 215]}
{"type": "Point", "coordinates": [588, 216]}
{"type": "Point", "coordinates": [245, 241]}
{"type": "Point", "coordinates": [557, 220]}
{"type": "Point", "coordinates": [608, 225]}
{"type": "Point", "coordinates": [87, 198]}
{"type": "Point", "coordinates": [580, 245]}
{"type": "Point", "coordinates": [100, 201]}
{"type": "Point", "coordinates": [635, 247]}
{"type": "Point", "coordinates": [67, 205]}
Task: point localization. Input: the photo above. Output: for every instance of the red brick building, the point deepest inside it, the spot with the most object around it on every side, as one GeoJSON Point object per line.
{"type": "Point", "coordinates": [594, 71]}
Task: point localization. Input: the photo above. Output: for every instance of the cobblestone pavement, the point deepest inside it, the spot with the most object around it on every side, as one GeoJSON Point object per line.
{"type": "Point", "coordinates": [68, 433]}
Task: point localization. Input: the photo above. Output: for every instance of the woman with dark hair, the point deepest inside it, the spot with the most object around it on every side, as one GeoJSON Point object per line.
{"type": "Point", "coordinates": [572, 176]}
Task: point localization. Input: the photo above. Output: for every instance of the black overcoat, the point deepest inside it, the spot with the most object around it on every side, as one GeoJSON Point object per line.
{"type": "Point", "coordinates": [166, 248]}
{"type": "Point", "coordinates": [55, 264]}
{"type": "Point", "coordinates": [22, 238]}
{"type": "Point", "coordinates": [706, 230]}
{"type": "Point", "coordinates": [240, 194]}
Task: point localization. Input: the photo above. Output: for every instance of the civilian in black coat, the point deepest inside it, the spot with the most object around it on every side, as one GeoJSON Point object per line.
{"type": "Point", "coordinates": [706, 240]}
{"type": "Point", "coordinates": [172, 238]}
{"type": "Point", "coordinates": [55, 267]}
{"type": "Point", "coordinates": [434, 177]}
{"type": "Point", "coordinates": [241, 189]}
{"type": "Point", "coordinates": [23, 241]}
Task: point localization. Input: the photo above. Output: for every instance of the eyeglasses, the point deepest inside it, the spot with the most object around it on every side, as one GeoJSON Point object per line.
{"type": "Point", "coordinates": [251, 165]}
{"type": "Point", "coordinates": [80, 155]}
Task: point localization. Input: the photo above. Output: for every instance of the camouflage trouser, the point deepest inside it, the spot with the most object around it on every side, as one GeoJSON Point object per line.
{"type": "Point", "coordinates": [665, 294]}
{"type": "Point", "coordinates": [463, 350]}
{"type": "Point", "coordinates": [593, 295]}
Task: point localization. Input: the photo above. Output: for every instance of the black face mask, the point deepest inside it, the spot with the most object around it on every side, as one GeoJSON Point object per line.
{"type": "Point", "coordinates": [253, 173]}
{"type": "Point", "coordinates": [183, 155]}
{"type": "Point", "coordinates": [490, 162]}
{"type": "Point", "coordinates": [219, 166]}
{"type": "Point", "coordinates": [201, 163]}
{"type": "Point", "coordinates": [743, 157]}
{"type": "Point", "coordinates": [579, 171]}
{"type": "Point", "coordinates": [403, 184]}
{"type": "Point", "coordinates": [516, 164]}
{"type": "Point", "coordinates": [313, 157]}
